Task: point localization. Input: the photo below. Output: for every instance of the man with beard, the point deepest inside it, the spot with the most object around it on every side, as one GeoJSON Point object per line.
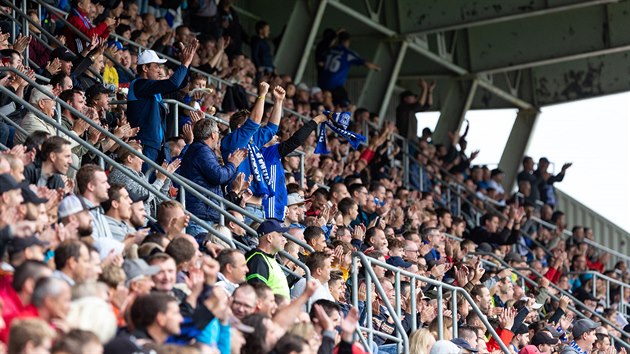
{"type": "Point", "coordinates": [138, 211]}
{"type": "Point", "coordinates": [56, 156]}
{"type": "Point", "coordinates": [118, 212]}
{"type": "Point", "coordinates": [75, 215]}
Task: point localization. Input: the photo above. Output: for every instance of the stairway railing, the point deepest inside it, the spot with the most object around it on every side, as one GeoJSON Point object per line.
{"type": "Point", "coordinates": [184, 183]}
{"type": "Point", "coordinates": [574, 309]}
{"type": "Point", "coordinates": [394, 310]}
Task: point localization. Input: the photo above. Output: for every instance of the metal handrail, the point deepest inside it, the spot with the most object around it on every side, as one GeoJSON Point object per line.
{"type": "Point", "coordinates": [43, 31]}
{"type": "Point", "coordinates": [608, 280]}
{"type": "Point", "coordinates": [368, 263]}
{"type": "Point", "coordinates": [108, 159]}
{"type": "Point", "coordinates": [77, 32]}
{"type": "Point", "coordinates": [563, 292]}
{"type": "Point", "coordinates": [231, 205]}
{"type": "Point", "coordinates": [589, 242]}
{"type": "Point", "coordinates": [176, 178]}
{"type": "Point", "coordinates": [207, 75]}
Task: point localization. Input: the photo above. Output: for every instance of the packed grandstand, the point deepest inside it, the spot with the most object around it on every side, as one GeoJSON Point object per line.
{"type": "Point", "coordinates": [164, 188]}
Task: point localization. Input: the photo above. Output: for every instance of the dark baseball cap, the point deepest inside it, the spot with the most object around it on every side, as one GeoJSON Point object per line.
{"type": "Point", "coordinates": [543, 337]}
{"type": "Point", "coordinates": [582, 326]}
{"type": "Point", "coordinates": [484, 247]}
{"type": "Point", "coordinates": [19, 244]}
{"type": "Point", "coordinates": [137, 196]}
{"type": "Point", "coordinates": [30, 196]}
{"type": "Point", "coordinates": [521, 329]}
{"type": "Point", "coordinates": [63, 54]}
{"type": "Point", "coordinates": [462, 343]}
{"type": "Point", "coordinates": [269, 226]}
{"type": "Point", "coordinates": [8, 183]}
{"type": "Point", "coordinates": [96, 90]}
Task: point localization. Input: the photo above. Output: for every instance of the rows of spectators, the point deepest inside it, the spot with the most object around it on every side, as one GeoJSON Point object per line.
{"type": "Point", "coordinates": [94, 262]}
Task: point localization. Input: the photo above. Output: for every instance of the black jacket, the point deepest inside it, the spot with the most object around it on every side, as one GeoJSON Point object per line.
{"type": "Point", "coordinates": [32, 175]}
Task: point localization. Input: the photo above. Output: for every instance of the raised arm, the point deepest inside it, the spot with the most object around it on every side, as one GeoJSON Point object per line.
{"type": "Point", "coordinates": [286, 316]}
{"type": "Point", "coordinates": [278, 98]}
{"type": "Point", "coordinates": [259, 107]}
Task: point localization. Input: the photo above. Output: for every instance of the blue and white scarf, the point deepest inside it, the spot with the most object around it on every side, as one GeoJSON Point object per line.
{"type": "Point", "coordinates": [338, 123]}
{"type": "Point", "coordinates": [577, 348]}
{"type": "Point", "coordinates": [259, 170]}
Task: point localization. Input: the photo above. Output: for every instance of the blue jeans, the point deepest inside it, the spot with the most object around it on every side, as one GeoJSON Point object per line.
{"type": "Point", "coordinates": [154, 155]}
{"type": "Point", "coordinates": [256, 210]}
{"type": "Point", "coordinates": [388, 349]}
{"type": "Point", "coordinates": [197, 231]}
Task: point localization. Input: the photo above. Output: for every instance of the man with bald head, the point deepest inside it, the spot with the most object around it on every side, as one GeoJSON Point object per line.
{"type": "Point", "coordinates": [243, 301]}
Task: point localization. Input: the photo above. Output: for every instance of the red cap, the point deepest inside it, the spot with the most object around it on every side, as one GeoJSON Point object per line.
{"type": "Point", "coordinates": [529, 349]}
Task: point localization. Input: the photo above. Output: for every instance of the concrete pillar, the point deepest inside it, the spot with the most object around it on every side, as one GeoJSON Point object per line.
{"type": "Point", "coordinates": [516, 146]}
{"type": "Point", "coordinates": [299, 38]}
{"type": "Point", "coordinates": [379, 86]}
{"type": "Point", "coordinates": [458, 101]}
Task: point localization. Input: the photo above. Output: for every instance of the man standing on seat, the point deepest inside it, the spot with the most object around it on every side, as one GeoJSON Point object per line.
{"type": "Point", "coordinates": [145, 108]}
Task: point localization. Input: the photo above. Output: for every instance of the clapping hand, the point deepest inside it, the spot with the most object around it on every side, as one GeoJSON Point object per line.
{"type": "Point", "coordinates": [21, 43]}
{"type": "Point", "coordinates": [188, 52]}
{"type": "Point", "coordinates": [196, 116]}
{"type": "Point", "coordinates": [237, 157]}
{"type": "Point", "coordinates": [54, 66]}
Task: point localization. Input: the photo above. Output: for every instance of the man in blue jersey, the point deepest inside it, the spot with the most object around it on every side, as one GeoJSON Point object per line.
{"type": "Point", "coordinates": [246, 132]}
{"type": "Point", "coordinates": [336, 67]}
{"type": "Point", "coordinates": [275, 205]}
{"type": "Point", "coordinates": [145, 108]}
{"type": "Point", "coordinates": [249, 134]}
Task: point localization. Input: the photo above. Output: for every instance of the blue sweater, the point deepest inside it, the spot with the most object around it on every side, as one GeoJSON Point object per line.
{"type": "Point", "coordinates": [146, 109]}
{"type": "Point", "coordinates": [200, 165]}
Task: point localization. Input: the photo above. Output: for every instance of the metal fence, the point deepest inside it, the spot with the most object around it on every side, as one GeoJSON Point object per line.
{"type": "Point", "coordinates": [394, 310]}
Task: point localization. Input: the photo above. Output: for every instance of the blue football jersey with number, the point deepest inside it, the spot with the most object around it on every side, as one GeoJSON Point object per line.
{"type": "Point", "coordinates": [335, 71]}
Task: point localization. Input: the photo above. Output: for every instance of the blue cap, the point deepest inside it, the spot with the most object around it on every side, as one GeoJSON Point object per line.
{"type": "Point", "coordinates": [271, 225]}
{"type": "Point", "coordinates": [116, 44]}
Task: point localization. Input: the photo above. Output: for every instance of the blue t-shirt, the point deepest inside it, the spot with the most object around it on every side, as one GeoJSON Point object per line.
{"type": "Point", "coordinates": [336, 68]}
{"type": "Point", "coordinates": [275, 206]}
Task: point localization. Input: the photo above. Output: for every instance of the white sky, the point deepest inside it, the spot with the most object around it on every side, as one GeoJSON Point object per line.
{"type": "Point", "coordinates": [594, 134]}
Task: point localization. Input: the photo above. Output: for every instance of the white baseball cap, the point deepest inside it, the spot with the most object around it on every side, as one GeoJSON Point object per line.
{"type": "Point", "coordinates": [294, 198]}
{"type": "Point", "coordinates": [70, 205]}
{"type": "Point", "coordinates": [149, 56]}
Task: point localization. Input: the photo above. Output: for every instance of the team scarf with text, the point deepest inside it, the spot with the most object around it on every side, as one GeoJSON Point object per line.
{"type": "Point", "coordinates": [259, 171]}
{"type": "Point", "coordinates": [338, 122]}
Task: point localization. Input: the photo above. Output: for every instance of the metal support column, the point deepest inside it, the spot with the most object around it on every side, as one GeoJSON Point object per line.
{"type": "Point", "coordinates": [379, 86]}
{"type": "Point", "coordinates": [516, 145]}
{"type": "Point", "coordinates": [299, 37]}
{"type": "Point", "coordinates": [457, 103]}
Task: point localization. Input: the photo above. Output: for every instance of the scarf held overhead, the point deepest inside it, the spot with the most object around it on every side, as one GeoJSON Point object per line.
{"type": "Point", "coordinates": [338, 123]}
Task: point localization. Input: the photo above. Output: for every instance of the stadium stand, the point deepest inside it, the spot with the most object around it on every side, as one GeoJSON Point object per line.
{"type": "Point", "coordinates": [171, 195]}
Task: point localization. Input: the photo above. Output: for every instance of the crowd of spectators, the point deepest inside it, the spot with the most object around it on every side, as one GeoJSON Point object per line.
{"type": "Point", "coordinates": [93, 262]}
